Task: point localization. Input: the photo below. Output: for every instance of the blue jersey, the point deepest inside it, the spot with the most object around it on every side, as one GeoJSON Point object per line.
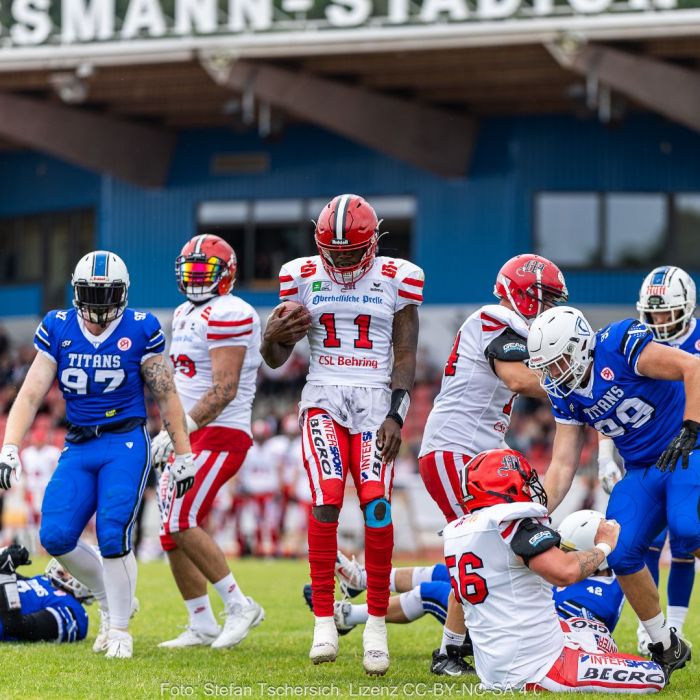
{"type": "Point", "coordinates": [100, 376]}
{"type": "Point", "coordinates": [640, 414]}
{"type": "Point", "coordinates": [690, 340]}
{"type": "Point", "coordinates": [38, 593]}
{"type": "Point", "coordinates": [595, 598]}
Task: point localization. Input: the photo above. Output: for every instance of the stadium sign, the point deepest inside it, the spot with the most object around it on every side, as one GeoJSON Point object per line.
{"type": "Point", "coordinates": [36, 22]}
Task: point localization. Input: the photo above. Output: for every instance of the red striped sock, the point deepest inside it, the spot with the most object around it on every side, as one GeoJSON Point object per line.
{"type": "Point", "coordinates": [379, 544]}
{"type": "Point", "coordinates": [323, 545]}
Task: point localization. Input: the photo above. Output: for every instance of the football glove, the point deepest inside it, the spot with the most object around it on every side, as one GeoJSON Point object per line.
{"type": "Point", "coordinates": [608, 475]}
{"type": "Point", "coordinates": [161, 449]}
{"type": "Point", "coordinates": [9, 463]}
{"type": "Point", "coordinates": [182, 472]}
{"type": "Point", "coordinates": [680, 448]}
{"type": "Point", "coordinates": [18, 555]}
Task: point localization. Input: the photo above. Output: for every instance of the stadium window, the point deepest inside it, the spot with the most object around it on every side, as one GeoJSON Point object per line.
{"type": "Point", "coordinates": [564, 217]}
{"type": "Point", "coordinates": [266, 233]}
{"type": "Point", "coordinates": [686, 230]}
{"type": "Point", "coordinates": [44, 249]}
{"type": "Point", "coordinates": [635, 229]}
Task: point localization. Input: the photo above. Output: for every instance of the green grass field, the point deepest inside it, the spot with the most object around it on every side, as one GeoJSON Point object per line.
{"type": "Point", "coordinates": [271, 662]}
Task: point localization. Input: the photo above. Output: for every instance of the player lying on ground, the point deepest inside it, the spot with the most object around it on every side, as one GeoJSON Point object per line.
{"type": "Point", "coordinates": [425, 589]}
{"type": "Point", "coordinates": [503, 560]}
{"type": "Point", "coordinates": [215, 350]}
{"type": "Point", "coordinates": [646, 397]}
{"type": "Point", "coordinates": [103, 355]}
{"type": "Point", "coordinates": [483, 375]}
{"type": "Point", "coordinates": [360, 312]}
{"type": "Point", "coordinates": [666, 306]}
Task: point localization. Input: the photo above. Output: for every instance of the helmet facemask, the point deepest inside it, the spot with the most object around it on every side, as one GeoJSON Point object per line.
{"type": "Point", "coordinates": [199, 277]}
{"type": "Point", "coordinates": [669, 330]}
{"type": "Point", "coordinates": [348, 274]}
{"type": "Point", "coordinates": [569, 372]}
{"type": "Point", "coordinates": [99, 303]}
{"type": "Point", "coordinates": [64, 581]}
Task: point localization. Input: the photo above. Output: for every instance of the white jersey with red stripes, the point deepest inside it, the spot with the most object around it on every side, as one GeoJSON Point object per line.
{"type": "Point", "coordinates": [472, 411]}
{"type": "Point", "coordinates": [508, 609]}
{"type": "Point", "coordinates": [198, 328]}
{"type": "Point", "coordinates": [351, 332]}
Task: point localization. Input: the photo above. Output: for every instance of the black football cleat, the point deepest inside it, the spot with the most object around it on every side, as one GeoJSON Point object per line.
{"type": "Point", "coordinates": [451, 663]}
{"type": "Point", "coordinates": [307, 596]}
{"type": "Point", "coordinates": [673, 658]}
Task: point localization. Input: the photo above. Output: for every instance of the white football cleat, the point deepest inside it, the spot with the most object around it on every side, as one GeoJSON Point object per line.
{"type": "Point", "coordinates": [191, 638]}
{"type": "Point", "coordinates": [120, 645]}
{"type": "Point", "coordinates": [240, 619]}
{"type": "Point", "coordinates": [376, 656]}
{"type": "Point", "coordinates": [324, 648]}
{"type": "Point", "coordinates": [351, 575]}
{"type": "Point", "coordinates": [341, 610]}
{"type": "Point", "coordinates": [135, 607]}
{"type": "Point", "coordinates": [100, 644]}
{"type": "Point", "coordinates": [643, 641]}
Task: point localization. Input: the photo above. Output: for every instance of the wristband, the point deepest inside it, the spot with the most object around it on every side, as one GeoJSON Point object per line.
{"type": "Point", "coordinates": [400, 401]}
{"type": "Point", "coordinates": [606, 450]}
{"type": "Point", "coordinates": [191, 425]}
{"type": "Point", "coordinates": [604, 547]}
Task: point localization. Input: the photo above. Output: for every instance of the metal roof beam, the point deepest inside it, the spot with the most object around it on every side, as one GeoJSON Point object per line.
{"type": "Point", "coordinates": [139, 154]}
{"type": "Point", "coordinates": [659, 86]}
{"type": "Point", "coordinates": [424, 136]}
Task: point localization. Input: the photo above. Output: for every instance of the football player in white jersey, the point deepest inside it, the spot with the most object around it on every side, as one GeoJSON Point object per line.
{"type": "Point", "coordinates": [215, 350]}
{"type": "Point", "coordinates": [361, 315]}
{"type": "Point", "coordinates": [483, 375]}
{"type": "Point", "coordinates": [503, 560]}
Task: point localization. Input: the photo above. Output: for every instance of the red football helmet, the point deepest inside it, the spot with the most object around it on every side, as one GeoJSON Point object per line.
{"type": "Point", "coordinates": [347, 232]}
{"type": "Point", "coordinates": [499, 476]}
{"type": "Point", "coordinates": [531, 284]}
{"type": "Point", "coordinates": [205, 268]}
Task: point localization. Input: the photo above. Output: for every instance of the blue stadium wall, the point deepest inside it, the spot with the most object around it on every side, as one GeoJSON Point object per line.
{"type": "Point", "coordinates": [463, 230]}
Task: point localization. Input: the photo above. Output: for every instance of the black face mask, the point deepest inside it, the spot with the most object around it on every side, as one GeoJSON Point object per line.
{"type": "Point", "coordinates": [100, 304]}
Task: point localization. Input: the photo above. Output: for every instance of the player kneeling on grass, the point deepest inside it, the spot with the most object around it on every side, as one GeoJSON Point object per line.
{"type": "Point", "coordinates": [501, 557]}
{"type": "Point", "coordinates": [44, 608]}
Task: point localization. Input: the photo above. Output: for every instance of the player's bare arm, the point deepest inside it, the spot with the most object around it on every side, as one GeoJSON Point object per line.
{"type": "Point", "coordinates": [405, 344]}
{"type": "Point", "coordinates": [226, 366]}
{"type": "Point", "coordinates": [282, 333]}
{"type": "Point", "coordinates": [663, 362]}
{"type": "Point", "coordinates": [39, 379]}
{"type": "Point", "coordinates": [519, 378]}
{"type": "Point", "coordinates": [157, 373]}
{"type": "Point", "coordinates": [565, 568]}
{"type": "Point", "coordinates": [566, 451]}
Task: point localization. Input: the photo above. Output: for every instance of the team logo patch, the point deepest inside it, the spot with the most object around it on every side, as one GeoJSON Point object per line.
{"type": "Point", "coordinates": [582, 327]}
{"type": "Point", "coordinates": [530, 266]}
{"type": "Point", "coordinates": [540, 537]}
{"type": "Point", "coordinates": [509, 463]}
{"type": "Point", "coordinates": [67, 343]}
{"type": "Point", "coordinates": [124, 344]}
{"type": "Point", "coordinates": [607, 374]}
{"type": "Point", "coordinates": [321, 286]}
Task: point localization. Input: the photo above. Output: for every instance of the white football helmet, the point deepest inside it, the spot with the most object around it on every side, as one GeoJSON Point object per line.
{"type": "Point", "coordinates": [100, 287]}
{"type": "Point", "coordinates": [560, 345]}
{"type": "Point", "coordinates": [63, 580]}
{"type": "Point", "coordinates": [667, 289]}
{"type": "Point", "coordinates": [578, 530]}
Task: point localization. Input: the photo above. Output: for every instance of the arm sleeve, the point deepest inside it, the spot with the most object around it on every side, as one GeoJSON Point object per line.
{"type": "Point", "coordinates": [634, 339]}
{"type": "Point", "coordinates": [410, 282]}
{"type": "Point", "coordinates": [532, 538]}
{"type": "Point", "coordinates": [509, 346]}
{"type": "Point", "coordinates": [44, 337]}
{"type": "Point", "coordinates": [289, 286]}
{"type": "Point", "coordinates": [229, 327]}
{"type": "Point", "coordinates": [155, 338]}
{"type": "Point", "coordinates": [41, 626]}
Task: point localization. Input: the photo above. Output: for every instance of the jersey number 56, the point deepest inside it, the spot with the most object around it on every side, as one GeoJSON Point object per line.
{"type": "Point", "coordinates": [467, 585]}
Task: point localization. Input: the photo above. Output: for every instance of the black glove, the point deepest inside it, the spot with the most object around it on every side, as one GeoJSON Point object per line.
{"type": "Point", "coordinates": [19, 556]}
{"type": "Point", "coordinates": [680, 446]}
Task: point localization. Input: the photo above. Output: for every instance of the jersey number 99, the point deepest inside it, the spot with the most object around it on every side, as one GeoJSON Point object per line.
{"type": "Point", "coordinates": [631, 413]}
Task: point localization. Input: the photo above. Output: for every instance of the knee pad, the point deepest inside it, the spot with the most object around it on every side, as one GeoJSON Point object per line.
{"type": "Point", "coordinates": [113, 538]}
{"type": "Point", "coordinates": [378, 513]}
{"type": "Point", "coordinates": [326, 514]}
{"type": "Point", "coordinates": [56, 540]}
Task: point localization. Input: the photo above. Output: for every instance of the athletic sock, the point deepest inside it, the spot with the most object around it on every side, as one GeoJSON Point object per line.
{"type": "Point", "coordinates": [412, 604]}
{"type": "Point", "coordinates": [85, 564]}
{"type": "Point", "coordinates": [422, 574]}
{"type": "Point", "coordinates": [323, 545]}
{"type": "Point", "coordinates": [658, 630]}
{"type": "Point", "coordinates": [392, 581]}
{"type": "Point", "coordinates": [120, 585]}
{"type": "Point", "coordinates": [450, 637]}
{"type": "Point", "coordinates": [201, 615]}
{"type": "Point", "coordinates": [676, 617]}
{"type": "Point", "coordinates": [680, 583]}
{"type": "Point", "coordinates": [358, 614]}
{"type": "Point", "coordinates": [230, 591]}
{"type": "Point", "coordinates": [651, 559]}
{"type": "Point", "coordinates": [379, 544]}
